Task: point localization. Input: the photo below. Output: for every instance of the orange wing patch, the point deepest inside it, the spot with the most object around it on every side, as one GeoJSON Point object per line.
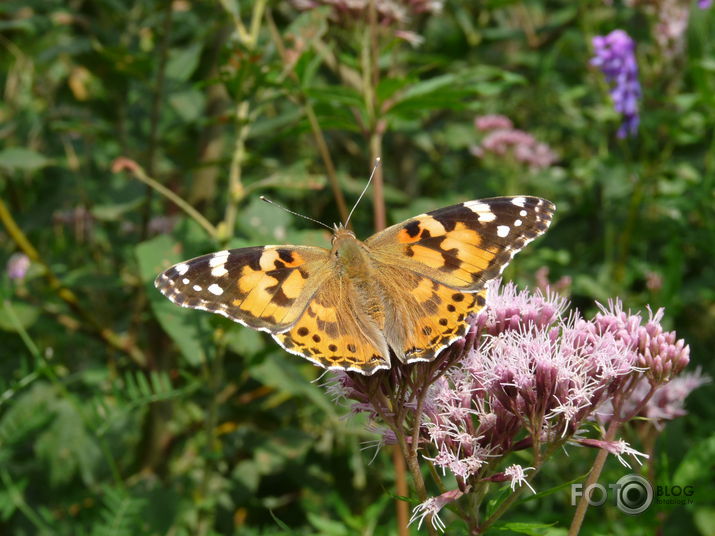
{"type": "Point", "coordinates": [448, 322]}
{"type": "Point", "coordinates": [331, 334]}
{"type": "Point", "coordinates": [266, 288]}
{"type": "Point", "coordinates": [431, 316]}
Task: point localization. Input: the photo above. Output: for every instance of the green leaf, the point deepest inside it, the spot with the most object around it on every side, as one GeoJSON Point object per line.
{"type": "Point", "coordinates": [532, 529]}
{"type": "Point", "coordinates": [29, 412]}
{"type": "Point", "coordinates": [336, 96]}
{"type": "Point", "coordinates": [280, 371]}
{"type": "Point", "coordinates": [700, 456]}
{"type": "Point", "coordinates": [705, 520]}
{"type": "Point", "coordinates": [22, 159]}
{"type": "Point", "coordinates": [67, 447]}
{"type": "Point", "coordinates": [247, 473]}
{"type": "Point", "coordinates": [262, 222]}
{"type": "Point", "coordinates": [115, 211]}
{"type": "Point", "coordinates": [183, 62]}
{"type": "Point", "coordinates": [189, 329]}
{"type": "Point", "coordinates": [189, 104]}
{"type": "Point", "coordinates": [121, 515]}
{"type": "Point", "coordinates": [23, 313]}
{"type": "Point", "coordinates": [326, 526]}
{"type": "Point", "coordinates": [244, 341]}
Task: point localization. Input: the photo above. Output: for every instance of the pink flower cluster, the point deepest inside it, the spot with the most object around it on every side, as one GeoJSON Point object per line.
{"type": "Point", "coordinates": [389, 12]}
{"type": "Point", "coordinates": [535, 378]}
{"type": "Point", "coordinates": [503, 140]}
{"type": "Point", "coordinates": [526, 376]}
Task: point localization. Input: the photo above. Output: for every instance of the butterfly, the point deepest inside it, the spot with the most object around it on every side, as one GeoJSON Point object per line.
{"type": "Point", "coordinates": [406, 290]}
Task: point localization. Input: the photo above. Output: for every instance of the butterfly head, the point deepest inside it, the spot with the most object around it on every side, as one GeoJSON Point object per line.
{"type": "Point", "coordinates": [344, 244]}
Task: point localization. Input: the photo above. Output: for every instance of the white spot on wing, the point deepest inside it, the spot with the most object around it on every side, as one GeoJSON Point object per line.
{"type": "Point", "coordinates": [197, 288]}
{"type": "Point", "coordinates": [482, 210]}
{"type": "Point", "coordinates": [523, 213]}
{"type": "Point", "coordinates": [181, 268]}
{"type": "Point", "coordinates": [185, 281]}
{"type": "Point", "coordinates": [502, 231]}
{"type": "Point", "coordinates": [219, 271]}
{"type": "Point", "coordinates": [517, 223]}
{"type": "Point", "coordinates": [519, 201]}
{"type": "Point", "coordinates": [215, 289]}
{"type": "Point", "coordinates": [219, 259]}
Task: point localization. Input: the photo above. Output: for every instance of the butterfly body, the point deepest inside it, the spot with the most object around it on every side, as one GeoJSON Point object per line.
{"type": "Point", "coordinates": [405, 291]}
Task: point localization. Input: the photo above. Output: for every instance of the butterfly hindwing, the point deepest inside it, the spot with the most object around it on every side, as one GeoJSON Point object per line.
{"type": "Point", "coordinates": [265, 287]}
{"type": "Point", "coordinates": [432, 315]}
{"type": "Point", "coordinates": [463, 246]}
{"type": "Point", "coordinates": [335, 333]}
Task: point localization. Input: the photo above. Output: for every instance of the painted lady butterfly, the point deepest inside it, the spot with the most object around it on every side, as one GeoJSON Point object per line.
{"type": "Point", "coordinates": [407, 289]}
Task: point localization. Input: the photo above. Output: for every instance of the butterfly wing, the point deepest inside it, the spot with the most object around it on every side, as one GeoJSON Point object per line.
{"type": "Point", "coordinates": [334, 332]}
{"type": "Point", "coordinates": [463, 246]}
{"type": "Point", "coordinates": [442, 259]}
{"type": "Point", "coordinates": [266, 287]}
{"type": "Point", "coordinates": [293, 292]}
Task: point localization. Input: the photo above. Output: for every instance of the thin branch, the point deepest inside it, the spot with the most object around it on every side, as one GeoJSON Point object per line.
{"type": "Point", "coordinates": [122, 163]}
{"type": "Point", "coordinates": [235, 183]}
{"type": "Point", "coordinates": [314, 125]}
{"type": "Point", "coordinates": [155, 113]}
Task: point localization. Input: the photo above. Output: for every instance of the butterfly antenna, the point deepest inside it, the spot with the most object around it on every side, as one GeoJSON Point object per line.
{"type": "Point", "coordinates": [374, 169]}
{"type": "Point", "coordinates": [264, 198]}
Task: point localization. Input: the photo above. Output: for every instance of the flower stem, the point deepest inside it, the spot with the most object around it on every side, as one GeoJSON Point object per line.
{"type": "Point", "coordinates": [314, 124]}
{"type": "Point", "coordinates": [593, 476]}
{"type": "Point", "coordinates": [139, 174]}
{"type": "Point", "coordinates": [402, 490]}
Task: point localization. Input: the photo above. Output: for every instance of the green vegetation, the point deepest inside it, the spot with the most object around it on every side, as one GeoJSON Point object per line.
{"type": "Point", "coordinates": [134, 135]}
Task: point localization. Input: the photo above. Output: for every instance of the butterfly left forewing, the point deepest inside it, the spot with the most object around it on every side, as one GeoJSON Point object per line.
{"type": "Point", "coordinates": [463, 246]}
{"type": "Point", "coordinates": [438, 263]}
{"type": "Point", "coordinates": [265, 287]}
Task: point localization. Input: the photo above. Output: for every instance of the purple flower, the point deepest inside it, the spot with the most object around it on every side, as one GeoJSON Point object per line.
{"type": "Point", "coordinates": [17, 266]}
{"type": "Point", "coordinates": [705, 4]}
{"type": "Point", "coordinates": [615, 56]}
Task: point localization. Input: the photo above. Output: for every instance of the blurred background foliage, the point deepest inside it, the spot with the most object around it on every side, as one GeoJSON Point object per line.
{"type": "Point", "coordinates": [121, 413]}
